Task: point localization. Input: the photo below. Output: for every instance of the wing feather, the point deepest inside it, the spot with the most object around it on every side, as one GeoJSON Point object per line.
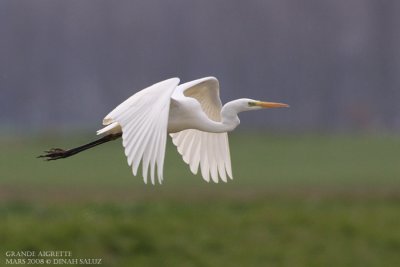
{"type": "Point", "coordinates": [204, 167]}
{"type": "Point", "coordinates": [212, 158]}
{"type": "Point", "coordinates": [194, 153]}
{"type": "Point", "coordinates": [227, 157]}
{"type": "Point", "coordinates": [221, 160]}
{"type": "Point", "coordinates": [209, 151]}
{"type": "Point", "coordinates": [144, 119]}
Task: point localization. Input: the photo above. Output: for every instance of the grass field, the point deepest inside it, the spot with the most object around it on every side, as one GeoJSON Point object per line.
{"type": "Point", "coordinates": [294, 201]}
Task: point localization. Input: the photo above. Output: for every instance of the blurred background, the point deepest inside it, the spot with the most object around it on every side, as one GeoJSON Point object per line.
{"type": "Point", "coordinates": [67, 63]}
{"type": "Point", "coordinates": [315, 185]}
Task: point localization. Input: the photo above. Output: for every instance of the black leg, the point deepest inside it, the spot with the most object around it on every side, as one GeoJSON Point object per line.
{"type": "Point", "coordinates": [58, 153]}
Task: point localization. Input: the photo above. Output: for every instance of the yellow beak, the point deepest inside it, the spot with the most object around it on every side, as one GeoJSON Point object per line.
{"type": "Point", "coordinates": [271, 105]}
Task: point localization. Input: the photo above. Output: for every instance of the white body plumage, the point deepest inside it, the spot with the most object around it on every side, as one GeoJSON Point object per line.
{"type": "Point", "coordinates": [192, 114]}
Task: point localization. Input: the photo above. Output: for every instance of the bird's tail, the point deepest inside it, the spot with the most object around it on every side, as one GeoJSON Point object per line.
{"type": "Point", "coordinates": [58, 153]}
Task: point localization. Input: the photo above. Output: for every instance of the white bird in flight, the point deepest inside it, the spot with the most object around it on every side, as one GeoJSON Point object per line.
{"type": "Point", "coordinates": [191, 113]}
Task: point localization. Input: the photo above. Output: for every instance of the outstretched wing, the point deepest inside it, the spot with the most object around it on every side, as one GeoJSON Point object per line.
{"type": "Point", "coordinates": [210, 151]}
{"type": "Point", "coordinates": [144, 118]}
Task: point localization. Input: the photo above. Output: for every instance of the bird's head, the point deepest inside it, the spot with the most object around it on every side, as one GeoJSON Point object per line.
{"type": "Point", "coordinates": [246, 104]}
{"type": "Point", "coordinates": [231, 109]}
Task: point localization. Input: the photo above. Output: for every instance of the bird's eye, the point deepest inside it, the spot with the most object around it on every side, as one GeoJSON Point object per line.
{"type": "Point", "coordinates": [252, 104]}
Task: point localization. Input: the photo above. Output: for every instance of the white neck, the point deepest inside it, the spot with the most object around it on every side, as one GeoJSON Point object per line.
{"type": "Point", "coordinates": [230, 119]}
{"type": "Point", "coordinates": [179, 120]}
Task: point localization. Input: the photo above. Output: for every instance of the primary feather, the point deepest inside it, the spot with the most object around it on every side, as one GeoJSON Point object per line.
{"type": "Point", "coordinates": [143, 119]}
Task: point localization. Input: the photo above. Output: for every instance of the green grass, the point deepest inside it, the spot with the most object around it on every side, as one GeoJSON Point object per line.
{"type": "Point", "coordinates": [262, 231]}
{"type": "Point", "coordinates": [294, 201]}
{"type": "Point", "coordinates": [257, 160]}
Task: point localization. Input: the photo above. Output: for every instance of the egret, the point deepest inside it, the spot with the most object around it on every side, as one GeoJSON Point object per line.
{"type": "Point", "coordinates": [191, 113]}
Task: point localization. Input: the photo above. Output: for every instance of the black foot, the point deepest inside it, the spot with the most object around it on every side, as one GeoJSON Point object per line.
{"type": "Point", "coordinates": [55, 153]}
